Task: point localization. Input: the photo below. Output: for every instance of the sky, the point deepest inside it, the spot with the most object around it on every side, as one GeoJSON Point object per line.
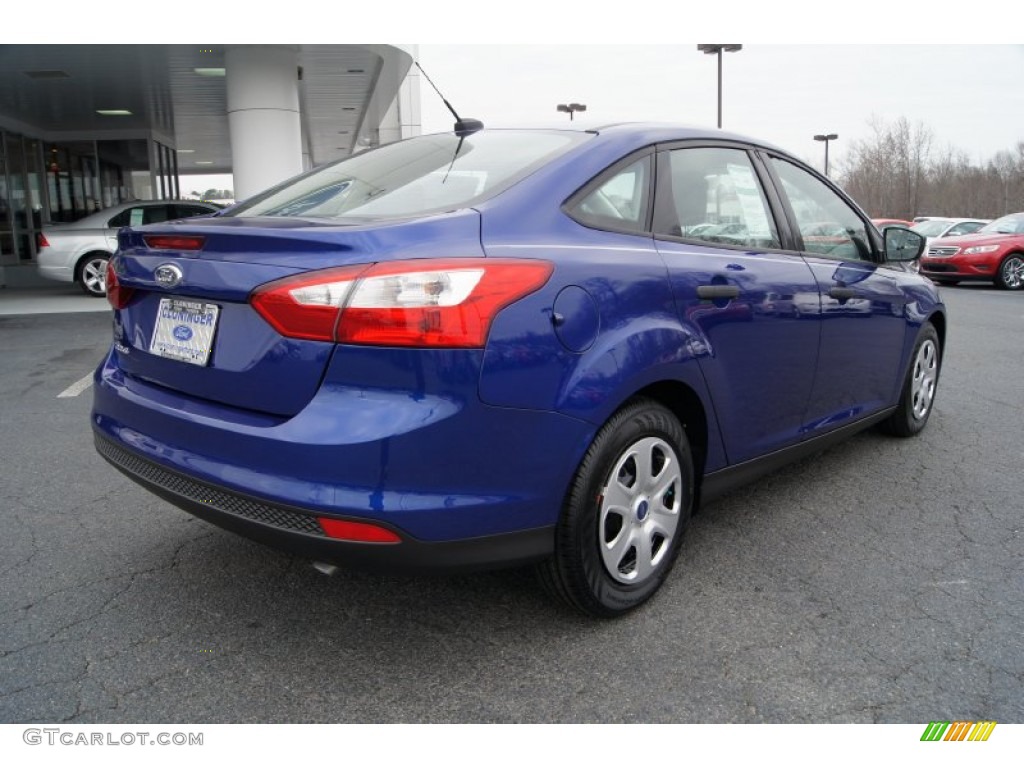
{"type": "Point", "coordinates": [805, 68]}
{"type": "Point", "coordinates": [970, 97]}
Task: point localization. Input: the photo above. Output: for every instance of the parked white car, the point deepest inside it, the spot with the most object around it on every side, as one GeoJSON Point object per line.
{"type": "Point", "coordinates": [79, 252]}
{"type": "Point", "coordinates": [933, 228]}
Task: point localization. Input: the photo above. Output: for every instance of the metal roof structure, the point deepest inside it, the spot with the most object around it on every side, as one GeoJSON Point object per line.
{"type": "Point", "coordinates": [177, 94]}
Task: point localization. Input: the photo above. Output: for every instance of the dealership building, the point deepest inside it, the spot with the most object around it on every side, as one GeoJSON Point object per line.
{"type": "Point", "coordinates": [85, 127]}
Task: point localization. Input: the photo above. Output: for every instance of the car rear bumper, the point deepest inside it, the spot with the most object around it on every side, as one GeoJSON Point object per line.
{"type": "Point", "coordinates": [436, 471]}
{"type": "Point", "coordinates": [297, 530]}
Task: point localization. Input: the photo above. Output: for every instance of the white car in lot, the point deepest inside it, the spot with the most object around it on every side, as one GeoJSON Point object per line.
{"type": "Point", "coordinates": [934, 227]}
{"type": "Point", "coordinates": [78, 252]}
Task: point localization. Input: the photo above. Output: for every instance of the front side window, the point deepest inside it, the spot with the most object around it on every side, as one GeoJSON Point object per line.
{"type": "Point", "coordinates": [426, 174]}
{"type": "Point", "coordinates": [828, 225]}
{"type": "Point", "coordinates": [619, 203]}
{"type": "Point", "coordinates": [714, 195]}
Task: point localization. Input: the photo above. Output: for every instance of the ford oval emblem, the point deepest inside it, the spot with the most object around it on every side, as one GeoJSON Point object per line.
{"type": "Point", "coordinates": [182, 332]}
{"type": "Point", "coordinates": [168, 275]}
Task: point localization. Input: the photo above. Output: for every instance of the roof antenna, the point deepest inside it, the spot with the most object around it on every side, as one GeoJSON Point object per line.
{"type": "Point", "coordinates": [463, 128]}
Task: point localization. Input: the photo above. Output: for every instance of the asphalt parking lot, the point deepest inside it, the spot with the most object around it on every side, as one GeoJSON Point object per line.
{"type": "Point", "coordinates": [881, 581]}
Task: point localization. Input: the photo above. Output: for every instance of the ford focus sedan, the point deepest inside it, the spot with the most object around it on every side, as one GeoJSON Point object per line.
{"type": "Point", "coordinates": [510, 347]}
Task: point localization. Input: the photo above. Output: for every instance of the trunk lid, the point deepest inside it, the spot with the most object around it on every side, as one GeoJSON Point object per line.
{"type": "Point", "coordinates": [196, 333]}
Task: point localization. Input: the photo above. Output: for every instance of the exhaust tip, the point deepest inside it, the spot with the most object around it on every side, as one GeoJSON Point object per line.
{"type": "Point", "coordinates": [325, 568]}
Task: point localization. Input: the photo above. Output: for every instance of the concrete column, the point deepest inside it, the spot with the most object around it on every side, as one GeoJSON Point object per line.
{"type": "Point", "coordinates": [263, 116]}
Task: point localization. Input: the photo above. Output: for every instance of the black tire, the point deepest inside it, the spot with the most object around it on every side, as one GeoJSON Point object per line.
{"type": "Point", "coordinates": [947, 282]}
{"type": "Point", "coordinates": [91, 273]}
{"type": "Point", "coordinates": [917, 398]}
{"type": "Point", "coordinates": [637, 444]}
{"type": "Point", "coordinates": [1010, 275]}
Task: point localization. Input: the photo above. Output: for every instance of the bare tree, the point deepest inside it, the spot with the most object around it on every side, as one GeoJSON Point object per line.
{"type": "Point", "coordinates": [896, 174]}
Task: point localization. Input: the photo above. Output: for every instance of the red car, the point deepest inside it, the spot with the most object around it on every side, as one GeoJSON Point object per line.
{"type": "Point", "coordinates": [994, 253]}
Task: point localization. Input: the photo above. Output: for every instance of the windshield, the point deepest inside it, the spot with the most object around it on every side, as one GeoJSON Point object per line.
{"type": "Point", "coordinates": [932, 227]}
{"type": "Point", "coordinates": [1008, 225]}
{"type": "Point", "coordinates": [426, 174]}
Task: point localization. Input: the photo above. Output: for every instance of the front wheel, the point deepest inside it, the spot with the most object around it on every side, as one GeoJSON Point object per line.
{"type": "Point", "coordinates": [918, 394]}
{"type": "Point", "coordinates": [92, 274]}
{"type": "Point", "coordinates": [1010, 276]}
{"type": "Point", "coordinates": [623, 521]}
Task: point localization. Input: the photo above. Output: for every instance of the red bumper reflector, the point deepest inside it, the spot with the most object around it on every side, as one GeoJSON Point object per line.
{"type": "Point", "coordinates": [350, 531]}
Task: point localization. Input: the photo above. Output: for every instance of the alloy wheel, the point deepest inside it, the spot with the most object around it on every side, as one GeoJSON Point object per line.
{"type": "Point", "coordinates": [1013, 272]}
{"type": "Point", "coordinates": [94, 276]}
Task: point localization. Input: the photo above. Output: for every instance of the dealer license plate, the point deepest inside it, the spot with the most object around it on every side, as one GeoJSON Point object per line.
{"type": "Point", "coordinates": [184, 330]}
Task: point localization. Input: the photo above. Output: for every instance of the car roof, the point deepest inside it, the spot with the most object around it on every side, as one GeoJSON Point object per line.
{"type": "Point", "coordinates": [643, 132]}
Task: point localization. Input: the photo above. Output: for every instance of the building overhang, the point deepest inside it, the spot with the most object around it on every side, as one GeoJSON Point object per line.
{"type": "Point", "coordinates": [177, 94]}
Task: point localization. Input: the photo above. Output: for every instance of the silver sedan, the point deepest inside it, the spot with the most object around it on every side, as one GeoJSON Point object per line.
{"type": "Point", "coordinates": [79, 252]}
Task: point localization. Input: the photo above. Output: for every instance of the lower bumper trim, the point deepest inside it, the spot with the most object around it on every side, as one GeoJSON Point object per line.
{"type": "Point", "coordinates": [297, 530]}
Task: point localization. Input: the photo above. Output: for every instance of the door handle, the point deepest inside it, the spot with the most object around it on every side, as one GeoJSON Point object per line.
{"type": "Point", "coordinates": [718, 291]}
{"type": "Point", "coordinates": [840, 293]}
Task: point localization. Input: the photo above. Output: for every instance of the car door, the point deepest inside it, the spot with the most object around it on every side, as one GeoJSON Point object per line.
{"type": "Point", "coordinates": [862, 304]}
{"type": "Point", "coordinates": [736, 284]}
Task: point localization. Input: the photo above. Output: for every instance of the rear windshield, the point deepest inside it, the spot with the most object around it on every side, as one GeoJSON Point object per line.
{"type": "Point", "coordinates": [932, 227]}
{"type": "Point", "coordinates": [1008, 225]}
{"type": "Point", "coordinates": [427, 174]}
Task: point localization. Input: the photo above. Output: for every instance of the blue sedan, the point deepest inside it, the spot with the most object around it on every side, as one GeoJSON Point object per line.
{"type": "Point", "coordinates": [505, 347]}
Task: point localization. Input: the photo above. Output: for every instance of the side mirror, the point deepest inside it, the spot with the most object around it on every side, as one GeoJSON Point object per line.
{"type": "Point", "coordinates": [902, 244]}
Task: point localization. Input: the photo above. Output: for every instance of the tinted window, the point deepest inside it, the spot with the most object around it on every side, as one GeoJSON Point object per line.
{"type": "Point", "coordinates": [122, 219]}
{"type": "Point", "coordinates": [422, 175]}
{"type": "Point", "coordinates": [828, 225]}
{"type": "Point", "coordinates": [155, 214]}
{"type": "Point", "coordinates": [714, 195]}
{"type": "Point", "coordinates": [620, 202]}
{"type": "Point", "coordinates": [187, 211]}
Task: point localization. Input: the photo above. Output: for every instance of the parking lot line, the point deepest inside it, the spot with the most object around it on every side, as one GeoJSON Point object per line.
{"type": "Point", "coordinates": [78, 387]}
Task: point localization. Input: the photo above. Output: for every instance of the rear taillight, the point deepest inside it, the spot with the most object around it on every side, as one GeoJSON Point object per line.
{"type": "Point", "coordinates": [117, 294]}
{"type": "Point", "coordinates": [41, 241]}
{"type": "Point", "coordinates": [174, 242]}
{"type": "Point", "coordinates": [420, 303]}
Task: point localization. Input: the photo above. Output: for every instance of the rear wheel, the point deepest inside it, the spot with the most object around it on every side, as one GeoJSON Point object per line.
{"type": "Point", "coordinates": [623, 521]}
{"type": "Point", "coordinates": [918, 396]}
{"type": "Point", "coordinates": [1010, 276]}
{"type": "Point", "coordinates": [91, 274]}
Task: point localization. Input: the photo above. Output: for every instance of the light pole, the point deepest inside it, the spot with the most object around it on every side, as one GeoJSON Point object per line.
{"type": "Point", "coordinates": [571, 108]}
{"type": "Point", "coordinates": [716, 49]}
{"type": "Point", "coordinates": [826, 137]}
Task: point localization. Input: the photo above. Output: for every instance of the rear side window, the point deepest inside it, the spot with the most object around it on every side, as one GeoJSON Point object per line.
{"type": "Point", "coordinates": [427, 174]}
{"type": "Point", "coordinates": [618, 203]}
{"type": "Point", "coordinates": [714, 195]}
{"type": "Point", "coordinates": [187, 211]}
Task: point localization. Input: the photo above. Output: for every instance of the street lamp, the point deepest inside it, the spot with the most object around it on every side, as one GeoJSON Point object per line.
{"type": "Point", "coordinates": [571, 108]}
{"type": "Point", "coordinates": [826, 137]}
{"type": "Point", "coordinates": [716, 49]}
